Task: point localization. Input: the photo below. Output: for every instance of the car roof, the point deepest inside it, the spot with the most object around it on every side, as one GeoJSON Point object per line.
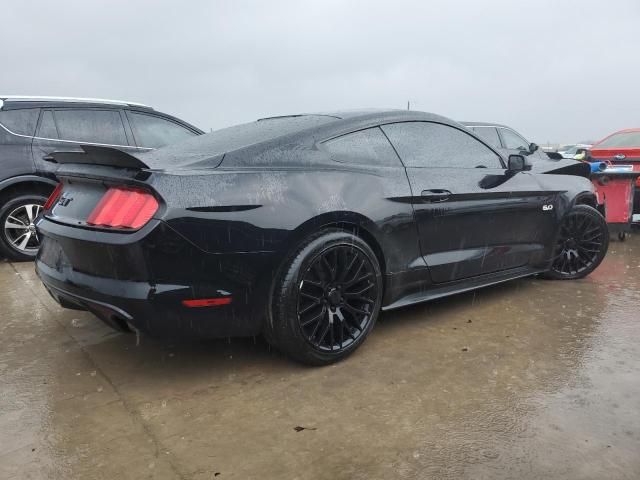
{"type": "Point", "coordinates": [484, 124]}
{"type": "Point", "coordinates": [351, 114]}
{"type": "Point", "coordinates": [273, 132]}
{"type": "Point", "coordinates": [36, 100]}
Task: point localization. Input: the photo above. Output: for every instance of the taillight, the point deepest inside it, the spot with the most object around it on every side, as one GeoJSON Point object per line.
{"type": "Point", "coordinates": [55, 195]}
{"type": "Point", "coordinates": [122, 207]}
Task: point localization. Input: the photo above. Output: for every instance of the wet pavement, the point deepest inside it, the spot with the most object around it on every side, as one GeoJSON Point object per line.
{"type": "Point", "coordinates": [531, 379]}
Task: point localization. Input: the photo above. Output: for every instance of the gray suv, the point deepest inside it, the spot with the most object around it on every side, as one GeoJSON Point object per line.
{"type": "Point", "coordinates": [33, 127]}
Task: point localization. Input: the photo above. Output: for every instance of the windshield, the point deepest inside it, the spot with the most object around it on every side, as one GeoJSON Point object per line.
{"type": "Point", "coordinates": [622, 139]}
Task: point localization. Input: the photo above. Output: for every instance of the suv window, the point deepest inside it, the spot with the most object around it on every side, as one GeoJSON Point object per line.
{"type": "Point", "coordinates": [368, 147]}
{"type": "Point", "coordinates": [512, 140]}
{"type": "Point", "coordinates": [489, 135]}
{"type": "Point", "coordinates": [47, 127]}
{"type": "Point", "coordinates": [151, 131]}
{"type": "Point", "coordinates": [91, 126]}
{"type": "Point", "coordinates": [22, 121]}
{"type": "Point", "coordinates": [426, 144]}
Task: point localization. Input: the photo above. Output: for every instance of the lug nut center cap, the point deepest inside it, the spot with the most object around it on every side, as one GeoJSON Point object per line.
{"type": "Point", "coordinates": [334, 297]}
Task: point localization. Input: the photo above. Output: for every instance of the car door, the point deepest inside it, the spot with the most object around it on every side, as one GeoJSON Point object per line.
{"type": "Point", "coordinates": [68, 128]}
{"type": "Point", "coordinates": [473, 216]}
{"type": "Point", "coordinates": [17, 127]}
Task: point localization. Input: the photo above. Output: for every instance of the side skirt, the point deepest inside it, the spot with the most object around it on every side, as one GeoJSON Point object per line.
{"type": "Point", "coordinates": [451, 288]}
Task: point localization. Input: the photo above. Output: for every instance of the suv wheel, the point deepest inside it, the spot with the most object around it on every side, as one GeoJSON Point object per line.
{"type": "Point", "coordinates": [18, 237]}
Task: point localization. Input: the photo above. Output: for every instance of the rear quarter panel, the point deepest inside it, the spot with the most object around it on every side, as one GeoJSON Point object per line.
{"type": "Point", "coordinates": [269, 210]}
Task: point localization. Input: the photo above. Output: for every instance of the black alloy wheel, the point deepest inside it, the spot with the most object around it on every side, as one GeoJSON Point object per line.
{"type": "Point", "coordinates": [581, 245]}
{"type": "Point", "coordinates": [327, 299]}
{"type": "Point", "coordinates": [336, 298]}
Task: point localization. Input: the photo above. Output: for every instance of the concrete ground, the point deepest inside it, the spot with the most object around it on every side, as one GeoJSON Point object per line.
{"type": "Point", "coordinates": [532, 379]}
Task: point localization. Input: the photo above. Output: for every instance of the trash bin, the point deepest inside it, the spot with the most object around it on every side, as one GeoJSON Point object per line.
{"type": "Point", "coordinates": [615, 188]}
{"type": "Point", "coordinates": [635, 167]}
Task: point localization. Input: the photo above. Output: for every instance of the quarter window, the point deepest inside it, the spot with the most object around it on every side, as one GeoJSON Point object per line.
{"type": "Point", "coordinates": [22, 121]}
{"type": "Point", "coordinates": [426, 144]}
{"type": "Point", "coordinates": [489, 135]}
{"type": "Point", "coordinates": [91, 126]}
{"type": "Point", "coordinates": [366, 147]}
{"type": "Point", "coordinates": [512, 140]}
{"type": "Point", "coordinates": [155, 132]}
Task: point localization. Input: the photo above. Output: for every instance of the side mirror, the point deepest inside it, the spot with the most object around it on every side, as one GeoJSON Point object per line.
{"type": "Point", "coordinates": [533, 147]}
{"type": "Point", "coordinates": [517, 163]}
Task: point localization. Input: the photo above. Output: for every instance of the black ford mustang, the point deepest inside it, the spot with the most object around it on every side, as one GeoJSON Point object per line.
{"type": "Point", "coordinates": [303, 227]}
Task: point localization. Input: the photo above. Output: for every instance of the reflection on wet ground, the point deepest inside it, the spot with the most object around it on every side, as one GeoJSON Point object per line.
{"type": "Point", "coordinates": [532, 379]}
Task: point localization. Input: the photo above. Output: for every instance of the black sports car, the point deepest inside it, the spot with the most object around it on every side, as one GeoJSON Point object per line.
{"type": "Point", "coordinates": [303, 227]}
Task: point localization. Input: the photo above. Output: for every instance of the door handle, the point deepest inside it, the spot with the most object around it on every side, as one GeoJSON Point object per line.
{"type": "Point", "coordinates": [436, 195]}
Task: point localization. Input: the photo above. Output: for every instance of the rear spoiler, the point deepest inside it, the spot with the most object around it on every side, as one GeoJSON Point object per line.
{"type": "Point", "coordinates": [92, 155]}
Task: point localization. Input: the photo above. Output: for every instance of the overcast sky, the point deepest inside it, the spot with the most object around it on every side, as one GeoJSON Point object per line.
{"type": "Point", "coordinates": [558, 71]}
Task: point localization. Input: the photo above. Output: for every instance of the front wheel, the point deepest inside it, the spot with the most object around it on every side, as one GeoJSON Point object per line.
{"type": "Point", "coordinates": [18, 237]}
{"type": "Point", "coordinates": [582, 243]}
{"type": "Point", "coordinates": [327, 298]}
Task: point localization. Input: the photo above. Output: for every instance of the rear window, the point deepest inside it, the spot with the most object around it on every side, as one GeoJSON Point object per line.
{"type": "Point", "coordinates": [205, 147]}
{"type": "Point", "coordinates": [22, 121]}
{"type": "Point", "coordinates": [622, 139]}
{"type": "Point", "coordinates": [366, 147]}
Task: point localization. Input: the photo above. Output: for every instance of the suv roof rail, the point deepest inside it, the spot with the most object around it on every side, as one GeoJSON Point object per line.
{"type": "Point", "coordinates": [36, 98]}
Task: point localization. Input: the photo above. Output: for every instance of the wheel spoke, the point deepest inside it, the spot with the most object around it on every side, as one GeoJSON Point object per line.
{"type": "Point", "coordinates": [317, 318]}
{"type": "Point", "coordinates": [29, 210]}
{"type": "Point", "coordinates": [353, 309]}
{"type": "Point", "coordinates": [13, 222]}
{"type": "Point", "coordinates": [22, 241]}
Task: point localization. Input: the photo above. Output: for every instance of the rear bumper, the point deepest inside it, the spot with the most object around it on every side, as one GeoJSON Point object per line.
{"type": "Point", "coordinates": [141, 281]}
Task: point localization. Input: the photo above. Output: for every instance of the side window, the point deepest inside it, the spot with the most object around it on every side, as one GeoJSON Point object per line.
{"type": "Point", "coordinates": [512, 140]}
{"type": "Point", "coordinates": [489, 135]}
{"type": "Point", "coordinates": [155, 132]}
{"type": "Point", "coordinates": [425, 144]}
{"type": "Point", "coordinates": [22, 121]}
{"type": "Point", "coordinates": [47, 127]}
{"type": "Point", "coordinates": [367, 147]}
{"type": "Point", "coordinates": [91, 126]}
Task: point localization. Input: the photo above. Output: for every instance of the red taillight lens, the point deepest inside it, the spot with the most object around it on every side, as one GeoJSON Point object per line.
{"type": "Point", "coordinates": [55, 195]}
{"type": "Point", "coordinates": [123, 208]}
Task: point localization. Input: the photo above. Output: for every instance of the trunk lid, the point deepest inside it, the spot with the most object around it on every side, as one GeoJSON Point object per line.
{"type": "Point", "coordinates": [626, 154]}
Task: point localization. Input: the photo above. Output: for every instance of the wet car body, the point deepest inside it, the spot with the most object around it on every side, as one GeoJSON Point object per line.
{"type": "Point", "coordinates": [233, 205]}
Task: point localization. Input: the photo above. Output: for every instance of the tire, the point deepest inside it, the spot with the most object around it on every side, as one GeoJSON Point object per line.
{"type": "Point", "coordinates": [326, 299]}
{"type": "Point", "coordinates": [16, 225]}
{"type": "Point", "coordinates": [582, 243]}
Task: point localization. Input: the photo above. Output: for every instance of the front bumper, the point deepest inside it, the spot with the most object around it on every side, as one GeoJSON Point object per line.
{"type": "Point", "coordinates": [140, 280]}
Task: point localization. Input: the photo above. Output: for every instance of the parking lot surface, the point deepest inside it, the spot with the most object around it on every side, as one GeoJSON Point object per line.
{"type": "Point", "coordinates": [530, 379]}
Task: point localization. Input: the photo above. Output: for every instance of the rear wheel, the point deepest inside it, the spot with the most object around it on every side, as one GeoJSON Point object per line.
{"type": "Point", "coordinates": [327, 298]}
{"type": "Point", "coordinates": [18, 237]}
{"type": "Point", "coordinates": [582, 243]}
